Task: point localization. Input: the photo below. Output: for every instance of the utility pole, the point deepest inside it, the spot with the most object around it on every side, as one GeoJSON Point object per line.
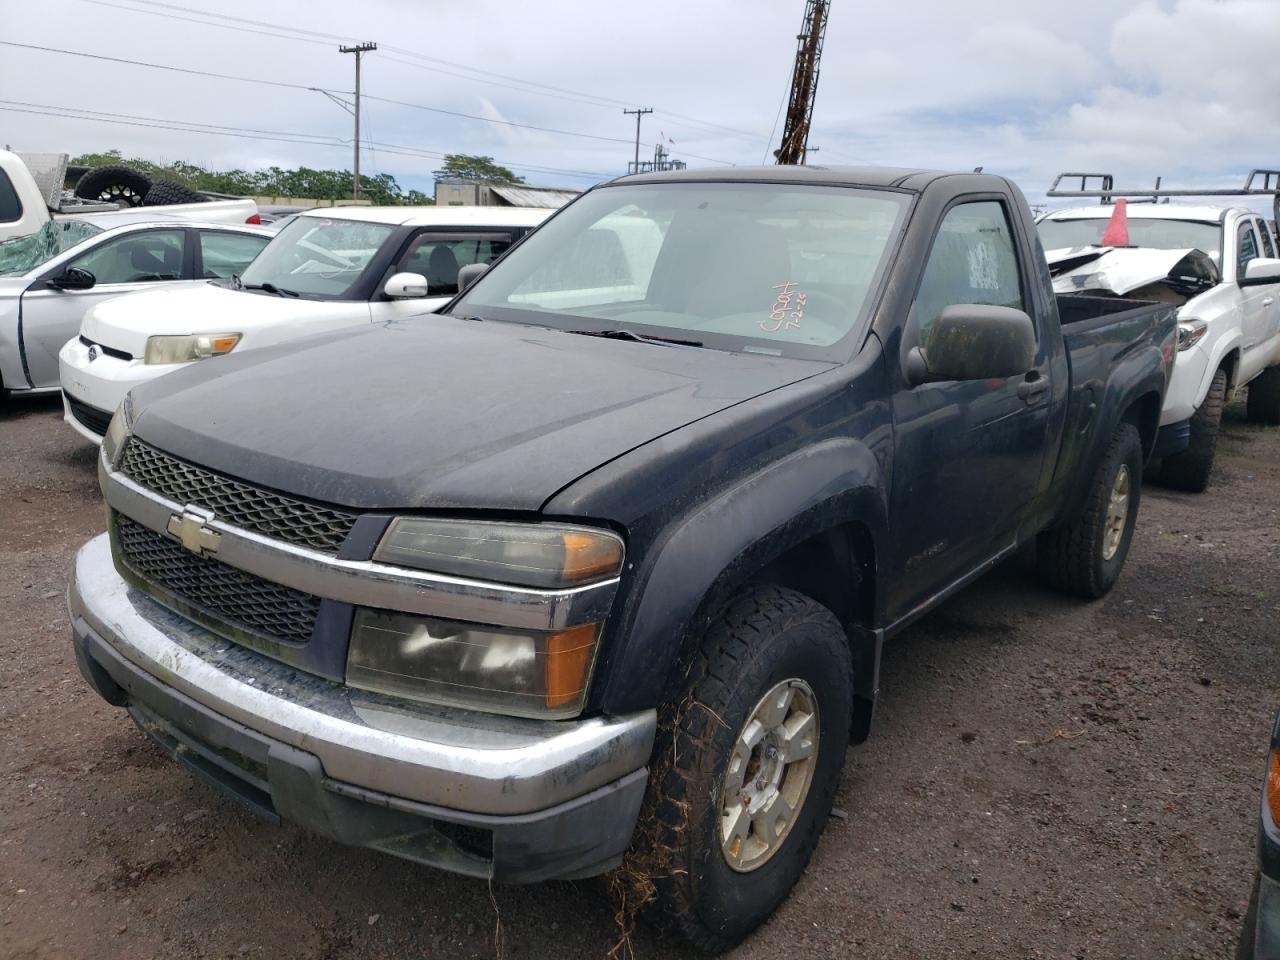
{"type": "Point", "coordinates": [359, 50]}
{"type": "Point", "coordinates": [639, 112]}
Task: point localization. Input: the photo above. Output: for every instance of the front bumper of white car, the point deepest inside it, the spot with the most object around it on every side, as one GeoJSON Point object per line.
{"type": "Point", "coordinates": [94, 381]}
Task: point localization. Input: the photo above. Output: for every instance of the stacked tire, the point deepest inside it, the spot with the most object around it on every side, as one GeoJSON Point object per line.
{"type": "Point", "coordinates": [130, 187]}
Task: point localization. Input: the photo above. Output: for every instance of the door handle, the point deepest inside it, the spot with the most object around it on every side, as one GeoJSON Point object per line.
{"type": "Point", "coordinates": [1268, 301]}
{"type": "Point", "coordinates": [1032, 386]}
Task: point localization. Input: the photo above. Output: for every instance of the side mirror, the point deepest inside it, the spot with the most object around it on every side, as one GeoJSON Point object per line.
{"type": "Point", "coordinates": [73, 278]}
{"type": "Point", "coordinates": [975, 342]}
{"type": "Point", "coordinates": [404, 286]}
{"type": "Point", "coordinates": [470, 274]}
{"type": "Point", "coordinates": [1260, 270]}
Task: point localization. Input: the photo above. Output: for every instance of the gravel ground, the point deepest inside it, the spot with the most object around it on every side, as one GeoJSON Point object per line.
{"type": "Point", "coordinates": [1047, 778]}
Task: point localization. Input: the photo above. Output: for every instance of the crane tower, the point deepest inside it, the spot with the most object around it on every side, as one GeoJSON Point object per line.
{"type": "Point", "coordinates": [804, 84]}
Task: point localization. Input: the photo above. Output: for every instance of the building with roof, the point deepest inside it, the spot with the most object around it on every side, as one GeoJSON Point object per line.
{"type": "Point", "coordinates": [475, 193]}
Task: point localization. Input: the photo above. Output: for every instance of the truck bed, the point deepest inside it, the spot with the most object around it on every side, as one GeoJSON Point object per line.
{"type": "Point", "coordinates": [1101, 335]}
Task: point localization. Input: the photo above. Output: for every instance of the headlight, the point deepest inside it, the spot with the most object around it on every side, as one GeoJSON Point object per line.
{"type": "Point", "coordinates": [1190, 333]}
{"type": "Point", "coordinates": [519, 673]}
{"type": "Point", "coordinates": [526, 554]}
{"type": "Point", "coordinates": [184, 349]}
{"type": "Point", "coordinates": [118, 430]}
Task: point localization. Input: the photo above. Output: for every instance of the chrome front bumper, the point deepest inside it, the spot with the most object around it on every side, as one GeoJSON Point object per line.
{"type": "Point", "coordinates": [454, 760]}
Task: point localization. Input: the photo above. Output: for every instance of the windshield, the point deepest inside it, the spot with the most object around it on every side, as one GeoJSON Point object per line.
{"type": "Point", "coordinates": [766, 268]}
{"type": "Point", "coordinates": [317, 257]}
{"type": "Point", "coordinates": [23, 254]}
{"type": "Point", "coordinates": [1159, 234]}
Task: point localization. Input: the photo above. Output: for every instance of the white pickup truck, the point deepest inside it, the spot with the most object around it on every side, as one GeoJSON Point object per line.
{"type": "Point", "coordinates": [32, 195]}
{"type": "Point", "coordinates": [324, 270]}
{"type": "Point", "coordinates": [1220, 264]}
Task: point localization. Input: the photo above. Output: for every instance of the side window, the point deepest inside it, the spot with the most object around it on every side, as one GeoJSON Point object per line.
{"type": "Point", "coordinates": [226, 254]}
{"type": "Point", "coordinates": [439, 258]}
{"type": "Point", "coordinates": [972, 261]}
{"type": "Point", "coordinates": [1264, 234]}
{"type": "Point", "coordinates": [137, 257]}
{"type": "Point", "coordinates": [1248, 247]}
{"type": "Point", "coordinates": [10, 205]}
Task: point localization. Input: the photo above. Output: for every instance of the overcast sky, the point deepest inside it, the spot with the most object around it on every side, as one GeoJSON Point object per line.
{"type": "Point", "coordinates": [1187, 89]}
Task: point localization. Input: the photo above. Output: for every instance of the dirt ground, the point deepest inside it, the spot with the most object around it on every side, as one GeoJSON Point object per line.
{"type": "Point", "coordinates": [1047, 778]}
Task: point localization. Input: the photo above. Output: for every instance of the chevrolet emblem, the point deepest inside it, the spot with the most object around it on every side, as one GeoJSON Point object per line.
{"type": "Point", "coordinates": [191, 529]}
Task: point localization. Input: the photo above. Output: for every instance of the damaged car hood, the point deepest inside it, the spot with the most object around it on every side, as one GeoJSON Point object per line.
{"type": "Point", "coordinates": [437, 412]}
{"type": "Point", "coordinates": [1122, 270]}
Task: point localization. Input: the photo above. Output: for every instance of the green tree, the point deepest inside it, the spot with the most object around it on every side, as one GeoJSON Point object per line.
{"type": "Point", "coordinates": [302, 183]}
{"type": "Point", "coordinates": [462, 166]}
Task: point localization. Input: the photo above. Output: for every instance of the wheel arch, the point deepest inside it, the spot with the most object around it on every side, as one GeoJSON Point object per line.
{"type": "Point", "coordinates": [1144, 413]}
{"type": "Point", "coordinates": [814, 522]}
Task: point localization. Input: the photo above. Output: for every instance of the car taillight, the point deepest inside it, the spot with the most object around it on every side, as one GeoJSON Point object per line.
{"type": "Point", "coordinates": [254, 219]}
{"type": "Point", "coordinates": [1273, 786]}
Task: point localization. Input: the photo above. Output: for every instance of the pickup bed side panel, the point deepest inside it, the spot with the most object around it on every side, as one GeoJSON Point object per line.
{"type": "Point", "coordinates": [1115, 363]}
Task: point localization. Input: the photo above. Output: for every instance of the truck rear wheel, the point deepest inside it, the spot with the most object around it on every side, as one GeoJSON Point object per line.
{"type": "Point", "coordinates": [743, 784]}
{"type": "Point", "coordinates": [1085, 557]}
{"type": "Point", "coordinates": [1189, 470]}
{"type": "Point", "coordinates": [1263, 405]}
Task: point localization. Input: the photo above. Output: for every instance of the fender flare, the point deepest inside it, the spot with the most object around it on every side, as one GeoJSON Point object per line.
{"type": "Point", "coordinates": [1143, 372]}
{"type": "Point", "coordinates": [1222, 348]}
{"type": "Point", "coordinates": [703, 556]}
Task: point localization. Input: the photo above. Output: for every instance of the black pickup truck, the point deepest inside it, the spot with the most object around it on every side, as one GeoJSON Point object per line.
{"type": "Point", "coordinates": [619, 537]}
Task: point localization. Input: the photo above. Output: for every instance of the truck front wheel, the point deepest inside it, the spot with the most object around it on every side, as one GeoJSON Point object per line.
{"type": "Point", "coordinates": [744, 782]}
{"type": "Point", "coordinates": [1263, 405]}
{"type": "Point", "coordinates": [1085, 556]}
{"type": "Point", "coordinates": [1189, 470]}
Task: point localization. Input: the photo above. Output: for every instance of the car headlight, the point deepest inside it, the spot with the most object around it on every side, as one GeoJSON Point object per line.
{"type": "Point", "coordinates": [118, 430]}
{"type": "Point", "coordinates": [529, 555]}
{"type": "Point", "coordinates": [515, 672]}
{"type": "Point", "coordinates": [183, 349]}
{"type": "Point", "coordinates": [1190, 333]}
{"type": "Point", "coordinates": [526, 673]}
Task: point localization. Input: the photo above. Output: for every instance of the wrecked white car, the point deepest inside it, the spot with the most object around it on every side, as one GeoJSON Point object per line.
{"type": "Point", "coordinates": [1220, 265]}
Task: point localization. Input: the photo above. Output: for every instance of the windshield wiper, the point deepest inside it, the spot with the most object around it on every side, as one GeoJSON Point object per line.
{"type": "Point", "coordinates": [638, 337]}
{"type": "Point", "coordinates": [270, 288]}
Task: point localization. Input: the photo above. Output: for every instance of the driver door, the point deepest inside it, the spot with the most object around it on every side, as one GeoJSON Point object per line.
{"type": "Point", "coordinates": [967, 454]}
{"type": "Point", "coordinates": [49, 317]}
{"type": "Point", "coordinates": [1260, 316]}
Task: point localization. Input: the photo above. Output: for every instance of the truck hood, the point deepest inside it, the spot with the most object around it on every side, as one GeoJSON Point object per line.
{"type": "Point", "coordinates": [1122, 270]}
{"type": "Point", "coordinates": [125, 323]}
{"type": "Point", "coordinates": [437, 412]}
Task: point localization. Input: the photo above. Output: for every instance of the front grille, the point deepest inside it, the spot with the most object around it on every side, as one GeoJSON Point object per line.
{"type": "Point", "coordinates": [91, 418]}
{"type": "Point", "coordinates": [109, 351]}
{"type": "Point", "coordinates": [237, 503]}
{"type": "Point", "coordinates": [228, 596]}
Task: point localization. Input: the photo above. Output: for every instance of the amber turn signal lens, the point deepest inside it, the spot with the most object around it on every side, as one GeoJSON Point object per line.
{"type": "Point", "coordinates": [567, 664]}
{"type": "Point", "coordinates": [1273, 787]}
{"type": "Point", "coordinates": [587, 556]}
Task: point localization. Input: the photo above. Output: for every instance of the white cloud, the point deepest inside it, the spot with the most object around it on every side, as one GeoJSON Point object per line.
{"type": "Point", "coordinates": [1180, 88]}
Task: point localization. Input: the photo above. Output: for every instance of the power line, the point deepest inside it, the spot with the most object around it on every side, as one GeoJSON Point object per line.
{"type": "Point", "coordinates": [164, 66]}
{"type": "Point", "coordinates": [324, 90]}
{"type": "Point", "coordinates": [472, 73]}
{"type": "Point", "coordinates": [249, 133]}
